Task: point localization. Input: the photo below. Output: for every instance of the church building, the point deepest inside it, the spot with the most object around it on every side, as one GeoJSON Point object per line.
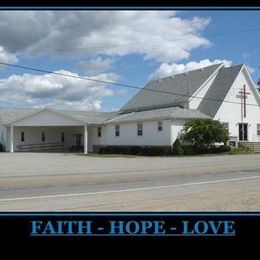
{"type": "Point", "coordinates": [153, 117]}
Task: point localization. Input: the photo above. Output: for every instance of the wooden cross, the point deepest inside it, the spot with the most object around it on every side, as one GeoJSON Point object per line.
{"type": "Point", "coordinates": [243, 95]}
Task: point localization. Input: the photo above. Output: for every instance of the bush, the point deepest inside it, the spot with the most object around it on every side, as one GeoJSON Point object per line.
{"type": "Point", "coordinates": [189, 150]}
{"type": "Point", "coordinates": [177, 148]}
{"type": "Point", "coordinates": [221, 149]}
{"type": "Point", "coordinates": [240, 149]}
{"type": "Point", "coordinates": [136, 150]}
{"type": "Point", "coordinates": [2, 148]}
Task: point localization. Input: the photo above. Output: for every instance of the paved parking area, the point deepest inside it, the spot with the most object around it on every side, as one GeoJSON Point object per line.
{"type": "Point", "coordinates": [70, 182]}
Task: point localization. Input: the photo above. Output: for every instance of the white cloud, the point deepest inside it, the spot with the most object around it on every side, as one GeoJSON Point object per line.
{"type": "Point", "coordinates": [166, 69]}
{"type": "Point", "coordinates": [95, 65]}
{"type": "Point", "coordinates": [160, 35]}
{"type": "Point", "coordinates": [250, 69]}
{"type": "Point", "coordinates": [56, 91]}
{"type": "Point", "coordinates": [7, 57]}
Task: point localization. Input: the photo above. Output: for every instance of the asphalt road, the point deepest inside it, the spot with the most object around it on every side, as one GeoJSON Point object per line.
{"type": "Point", "coordinates": [67, 182]}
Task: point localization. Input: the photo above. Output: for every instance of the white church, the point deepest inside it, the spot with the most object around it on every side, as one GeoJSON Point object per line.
{"type": "Point", "coordinates": [153, 117]}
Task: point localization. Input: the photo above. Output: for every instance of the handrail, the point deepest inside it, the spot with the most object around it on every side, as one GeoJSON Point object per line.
{"type": "Point", "coordinates": [42, 146]}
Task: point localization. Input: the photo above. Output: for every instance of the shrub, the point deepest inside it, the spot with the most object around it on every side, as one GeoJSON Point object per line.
{"type": "Point", "coordinates": [189, 150]}
{"type": "Point", "coordinates": [2, 148]}
{"type": "Point", "coordinates": [221, 149]}
{"type": "Point", "coordinates": [177, 148]}
{"type": "Point", "coordinates": [240, 149]}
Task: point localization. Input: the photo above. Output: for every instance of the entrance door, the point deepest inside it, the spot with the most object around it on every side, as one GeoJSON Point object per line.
{"type": "Point", "coordinates": [243, 131]}
{"type": "Point", "coordinates": [78, 139]}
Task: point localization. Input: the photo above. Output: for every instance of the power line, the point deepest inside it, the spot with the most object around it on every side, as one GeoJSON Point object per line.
{"type": "Point", "coordinates": [142, 42]}
{"type": "Point", "coordinates": [120, 85]}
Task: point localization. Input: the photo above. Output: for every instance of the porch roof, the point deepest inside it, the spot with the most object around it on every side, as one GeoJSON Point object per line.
{"type": "Point", "coordinates": [11, 115]}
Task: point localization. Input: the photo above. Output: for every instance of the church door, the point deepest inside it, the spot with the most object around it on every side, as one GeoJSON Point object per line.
{"type": "Point", "coordinates": [243, 132]}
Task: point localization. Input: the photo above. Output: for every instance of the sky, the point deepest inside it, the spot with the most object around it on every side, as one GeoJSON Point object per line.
{"type": "Point", "coordinates": [128, 47]}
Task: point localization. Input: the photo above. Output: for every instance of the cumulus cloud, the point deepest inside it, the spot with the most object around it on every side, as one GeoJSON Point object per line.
{"type": "Point", "coordinates": [166, 69]}
{"type": "Point", "coordinates": [160, 35]}
{"type": "Point", "coordinates": [56, 91]}
{"type": "Point", "coordinates": [95, 65]}
{"type": "Point", "coordinates": [7, 57]}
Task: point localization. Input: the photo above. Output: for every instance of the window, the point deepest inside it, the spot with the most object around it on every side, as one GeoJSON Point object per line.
{"type": "Point", "coordinates": [99, 132]}
{"type": "Point", "coordinates": [258, 129]}
{"type": "Point", "coordinates": [139, 129]}
{"type": "Point", "coordinates": [62, 137]}
{"type": "Point", "coordinates": [22, 136]}
{"type": "Point", "coordinates": [43, 137]}
{"type": "Point", "coordinates": [117, 130]}
{"type": "Point", "coordinates": [159, 125]}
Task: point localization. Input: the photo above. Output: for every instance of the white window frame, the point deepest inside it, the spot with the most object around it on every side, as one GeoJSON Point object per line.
{"type": "Point", "coordinates": [43, 136]}
{"type": "Point", "coordinates": [117, 130]}
{"type": "Point", "coordinates": [160, 126]}
{"type": "Point", "coordinates": [258, 129]}
{"type": "Point", "coordinates": [99, 131]}
{"type": "Point", "coordinates": [22, 137]}
{"type": "Point", "coordinates": [139, 129]}
{"type": "Point", "coordinates": [62, 137]}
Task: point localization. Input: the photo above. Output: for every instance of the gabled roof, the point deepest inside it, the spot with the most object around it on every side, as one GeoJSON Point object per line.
{"type": "Point", "coordinates": [182, 86]}
{"type": "Point", "coordinates": [218, 90]}
{"type": "Point", "coordinates": [161, 113]}
{"type": "Point", "coordinates": [11, 115]}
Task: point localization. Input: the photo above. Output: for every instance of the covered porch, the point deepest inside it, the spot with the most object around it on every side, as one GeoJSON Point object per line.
{"type": "Point", "coordinates": [51, 138]}
{"type": "Point", "coordinates": [49, 130]}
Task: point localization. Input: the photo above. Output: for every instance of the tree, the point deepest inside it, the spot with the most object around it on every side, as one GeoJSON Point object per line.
{"type": "Point", "coordinates": [203, 133]}
{"type": "Point", "coordinates": [177, 148]}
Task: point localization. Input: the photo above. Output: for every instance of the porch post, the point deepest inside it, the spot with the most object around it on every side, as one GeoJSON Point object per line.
{"type": "Point", "coordinates": [11, 139]}
{"type": "Point", "coordinates": [85, 139]}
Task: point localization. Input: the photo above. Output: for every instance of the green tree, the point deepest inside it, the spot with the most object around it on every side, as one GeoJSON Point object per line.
{"type": "Point", "coordinates": [203, 133]}
{"type": "Point", "coordinates": [177, 148]}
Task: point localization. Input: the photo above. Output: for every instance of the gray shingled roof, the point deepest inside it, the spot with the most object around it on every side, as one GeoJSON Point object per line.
{"type": "Point", "coordinates": [182, 84]}
{"type": "Point", "coordinates": [88, 117]}
{"type": "Point", "coordinates": [218, 90]}
{"type": "Point", "coordinates": [166, 113]}
{"type": "Point", "coordinates": [10, 115]}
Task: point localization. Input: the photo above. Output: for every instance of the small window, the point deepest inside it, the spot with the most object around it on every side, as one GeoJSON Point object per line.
{"type": "Point", "coordinates": [43, 137]}
{"type": "Point", "coordinates": [62, 137]}
{"type": "Point", "coordinates": [117, 130]}
{"type": "Point", "coordinates": [258, 129]}
{"type": "Point", "coordinates": [99, 133]}
{"type": "Point", "coordinates": [139, 129]}
{"type": "Point", "coordinates": [22, 136]}
{"type": "Point", "coordinates": [160, 126]}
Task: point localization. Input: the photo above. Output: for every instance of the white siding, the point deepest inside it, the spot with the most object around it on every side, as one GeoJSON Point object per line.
{"type": "Point", "coordinates": [231, 113]}
{"type": "Point", "coordinates": [3, 134]}
{"type": "Point", "coordinates": [47, 118]}
{"type": "Point", "coordinates": [176, 127]}
{"type": "Point", "coordinates": [128, 134]}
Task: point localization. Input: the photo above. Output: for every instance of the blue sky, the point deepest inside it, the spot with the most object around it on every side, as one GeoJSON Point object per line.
{"type": "Point", "coordinates": [125, 47]}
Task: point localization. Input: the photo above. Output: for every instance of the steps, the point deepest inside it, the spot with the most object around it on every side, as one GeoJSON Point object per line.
{"type": "Point", "coordinates": [254, 146]}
